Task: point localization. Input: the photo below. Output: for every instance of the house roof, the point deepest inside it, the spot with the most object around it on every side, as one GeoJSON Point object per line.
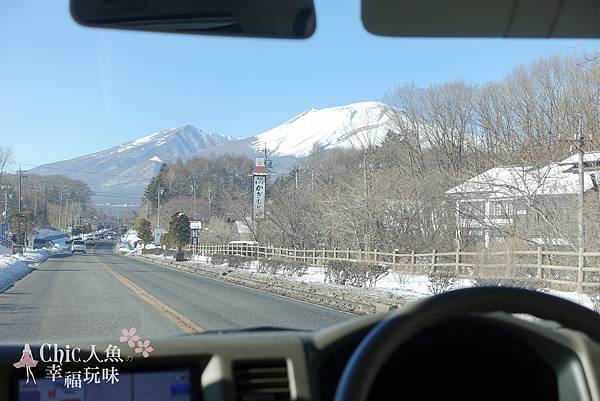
{"type": "Point", "coordinates": [588, 157]}
{"type": "Point", "coordinates": [503, 182]}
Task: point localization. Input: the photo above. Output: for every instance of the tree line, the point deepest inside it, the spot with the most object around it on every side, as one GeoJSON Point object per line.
{"type": "Point", "coordinates": [391, 193]}
{"type": "Point", "coordinates": [53, 201]}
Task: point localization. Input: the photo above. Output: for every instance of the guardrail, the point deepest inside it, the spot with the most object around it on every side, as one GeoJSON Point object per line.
{"type": "Point", "coordinates": [560, 268]}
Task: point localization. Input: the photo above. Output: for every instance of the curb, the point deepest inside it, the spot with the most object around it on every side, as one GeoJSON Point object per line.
{"type": "Point", "coordinates": [313, 294]}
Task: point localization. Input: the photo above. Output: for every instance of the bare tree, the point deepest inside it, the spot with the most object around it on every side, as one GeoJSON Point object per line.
{"type": "Point", "coordinates": [6, 158]}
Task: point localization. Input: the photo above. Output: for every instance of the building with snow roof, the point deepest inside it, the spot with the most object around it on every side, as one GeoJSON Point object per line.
{"type": "Point", "coordinates": [536, 204]}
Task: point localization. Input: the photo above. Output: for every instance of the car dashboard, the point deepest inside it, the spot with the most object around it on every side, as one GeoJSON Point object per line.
{"type": "Point", "coordinates": [484, 356]}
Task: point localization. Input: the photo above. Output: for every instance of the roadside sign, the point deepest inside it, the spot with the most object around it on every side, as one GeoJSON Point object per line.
{"type": "Point", "coordinates": [259, 196]}
{"type": "Point", "coordinates": [260, 162]}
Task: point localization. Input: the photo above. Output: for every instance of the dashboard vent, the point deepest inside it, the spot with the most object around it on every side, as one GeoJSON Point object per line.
{"type": "Point", "coordinates": [261, 380]}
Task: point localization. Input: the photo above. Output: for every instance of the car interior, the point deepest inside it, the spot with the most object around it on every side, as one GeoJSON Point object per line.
{"type": "Point", "coordinates": [469, 344]}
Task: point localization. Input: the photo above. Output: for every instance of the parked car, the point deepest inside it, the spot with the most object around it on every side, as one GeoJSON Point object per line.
{"type": "Point", "coordinates": [90, 242]}
{"type": "Point", "coordinates": [78, 246]}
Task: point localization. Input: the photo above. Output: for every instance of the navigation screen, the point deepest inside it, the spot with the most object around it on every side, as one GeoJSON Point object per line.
{"type": "Point", "coordinates": [146, 386]}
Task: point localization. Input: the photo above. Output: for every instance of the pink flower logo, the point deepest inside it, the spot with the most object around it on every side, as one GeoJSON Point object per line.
{"type": "Point", "coordinates": [129, 336]}
{"type": "Point", "coordinates": [144, 347]}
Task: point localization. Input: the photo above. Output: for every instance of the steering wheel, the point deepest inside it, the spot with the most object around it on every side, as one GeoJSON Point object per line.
{"type": "Point", "coordinates": [400, 326]}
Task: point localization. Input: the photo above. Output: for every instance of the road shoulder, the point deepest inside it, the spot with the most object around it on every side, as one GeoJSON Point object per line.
{"type": "Point", "coordinates": [341, 298]}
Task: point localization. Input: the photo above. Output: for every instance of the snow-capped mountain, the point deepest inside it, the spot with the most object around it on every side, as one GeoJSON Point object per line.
{"type": "Point", "coordinates": [354, 125]}
{"type": "Point", "coordinates": [126, 169]}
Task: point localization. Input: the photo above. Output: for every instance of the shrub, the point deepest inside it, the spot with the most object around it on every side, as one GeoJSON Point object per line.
{"type": "Point", "coordinates": [217, 259]}
{"type": "Point", "coordinates": [344, 272]}
{"type": "Point", "coordinates": [294, 269]}
{"type": "Point", "coordinates": [235, 261]}
{"type": "Point", "coordinates": [401, 278]}
{"type": "Point", "coordinates": [441, 282]}
{"type": "Point", "coordinates": [270, 266]}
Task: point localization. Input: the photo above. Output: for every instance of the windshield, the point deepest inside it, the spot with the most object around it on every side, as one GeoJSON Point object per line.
{"type": "Point", "coordinates": [233, 183]}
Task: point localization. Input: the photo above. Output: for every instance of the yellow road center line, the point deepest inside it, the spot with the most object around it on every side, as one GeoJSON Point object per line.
{"type": "Point", "coordinates": [181, 321]}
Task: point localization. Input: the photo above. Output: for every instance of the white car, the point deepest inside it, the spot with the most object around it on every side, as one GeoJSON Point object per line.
{"type": "Point", "coordinates": [78, 246]}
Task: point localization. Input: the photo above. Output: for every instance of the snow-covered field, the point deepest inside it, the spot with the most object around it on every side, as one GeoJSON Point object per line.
{"type": "Point", "coordinates": [14, 267]}
{"type": "Point", "coordinates": [409, 286]}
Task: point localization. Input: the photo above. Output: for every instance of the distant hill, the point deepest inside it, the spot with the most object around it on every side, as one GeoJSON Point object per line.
{"type": "Point", "coordinates": [125, 170]}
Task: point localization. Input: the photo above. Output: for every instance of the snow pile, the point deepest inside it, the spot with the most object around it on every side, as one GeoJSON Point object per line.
{"type": "Point", "coordinates": [200, 259]}
{"type": "Point", "coordinates": [354, 125]}
{"type": "Point", "coordinates": [12, 270]}
{"type": "Point", "coordinates": [131, 238]}
{"type": "Point", "coordinates": [40, 255]}
{"type": "Point", "coordinates": [14, 267]}
{"type": "Point", "coordinates": [124, 247]}
{"type": "Point", "coordinates": [33, 256]}
{"type": "Point", "coordinates": [161, 257]}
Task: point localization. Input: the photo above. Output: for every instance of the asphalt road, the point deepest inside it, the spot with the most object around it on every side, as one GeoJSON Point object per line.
{"type": "Point", "coordinates": [100, 293]}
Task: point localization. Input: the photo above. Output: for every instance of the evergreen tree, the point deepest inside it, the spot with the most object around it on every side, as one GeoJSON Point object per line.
{"type": "Point", "coordinates": [144, 231]}
{"type": "Point", "coordinates": [179, 230]}
{"type": "Point", "coordinates": [156, 184]}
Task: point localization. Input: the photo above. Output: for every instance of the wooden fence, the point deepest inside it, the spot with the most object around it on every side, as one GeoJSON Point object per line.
{"type": "Point", "coordinates": [559, 268]}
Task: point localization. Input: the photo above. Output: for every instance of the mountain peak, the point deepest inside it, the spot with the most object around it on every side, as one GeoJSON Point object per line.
{"type": "Point", "coordinates": [352, 125]}
{"type": "Point", "coordinates": [127, 168]}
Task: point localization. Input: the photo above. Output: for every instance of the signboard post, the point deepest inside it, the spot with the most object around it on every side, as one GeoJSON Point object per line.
{"type": "Point", "coordinates": [259, 196]}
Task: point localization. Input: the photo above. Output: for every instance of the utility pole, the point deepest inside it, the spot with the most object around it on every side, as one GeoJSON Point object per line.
{"type": "Point", "coordinates": [20, 188]}
{"type": "Point", "coordinates": [66, 215]}
{"type": "Point", "coordinates": [35, 194]}
{"type": "Point", "coordinates": [5, 206]}
{"type": "Point", "coordinates": [60, 209]}
{"type": "Point", "coordinates": [194, 195]}
{"type": "Point", "coordinates": [158, 207]}
{"type": "Point", "coordinates": [209, 202]}
{"type": "Point", "coordinates": [45, 201]}
{"type": "Point", "coordinates": [580, 199]}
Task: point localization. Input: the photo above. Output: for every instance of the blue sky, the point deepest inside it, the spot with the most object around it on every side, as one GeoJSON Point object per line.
{"type": "Point", "coordinates": [66, 90]}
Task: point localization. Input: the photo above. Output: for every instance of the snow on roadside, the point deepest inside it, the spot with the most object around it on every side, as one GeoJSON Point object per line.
{"type": "Point", "coordinates": [124, 247]}
{"type": "Point", "coordinates": [14, 267]}
{"type": "Point", "coordinates": [131, 237]}
{"type": "Point", "coordinates": [11, 270]}
{"type": "Point", "coordinates": [162, 257]}
{"type": "Point", "coordinates": [409, 286]}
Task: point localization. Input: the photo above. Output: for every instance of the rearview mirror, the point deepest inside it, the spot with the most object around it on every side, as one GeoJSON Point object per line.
{"type": "Point", "coordinates": [293, 19]}
{"type": "Point", "coordinates": [483, 18]}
